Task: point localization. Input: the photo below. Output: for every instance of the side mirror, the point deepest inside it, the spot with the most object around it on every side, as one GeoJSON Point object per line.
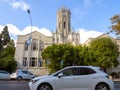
{"type": "Point", "coordinates": [60, 75]}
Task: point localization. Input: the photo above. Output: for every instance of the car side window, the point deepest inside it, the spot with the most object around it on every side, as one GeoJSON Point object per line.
{"type": "Point", "coordinates": [3, 72]}
{"type": "Point", "coordinates": [86, 71]}
{"type": "Point", "coordinates": [25, 72]}
{"type": "Point", "coordinates": [70, 72]}
{"type": "Point", "coordinates": [29, 73]}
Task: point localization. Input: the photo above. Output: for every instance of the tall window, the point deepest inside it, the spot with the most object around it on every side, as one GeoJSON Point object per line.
{"type": "Point", "coordinates": [41, 46]}
{"type": "Point", "coordinates": [33, 62]}
{"type": "Point", "coordinates": [34, 45]}
{"type": "Point", "coordinates": [24, 61]}
{"type": "Point", "coordinates": [64, 25]}
{"type": "Point", "coordinates": [39, 63]}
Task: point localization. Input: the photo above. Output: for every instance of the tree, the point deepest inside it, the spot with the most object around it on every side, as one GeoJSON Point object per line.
{"type": "Point", "coordinates": [53, 54]}
{"type": "Point", "coordinates": [5, 36]}
{"type": "Point", "coordinates": [115, 21]}
{"type": "Point", "coordinates": [7, 51]}
{"type": "Point", "coordinates": [1, 46]}
{"type": "Point", "coordinates": [87, 56]}
{"type": "Point", "coordinates": [61, 56]}
{"type": "Point", "coordinates": [105, 52]}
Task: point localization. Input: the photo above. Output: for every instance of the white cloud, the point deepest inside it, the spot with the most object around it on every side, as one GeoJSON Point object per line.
{"type": "Point", "coordinates": [23, 5]}
{"type": "Point", "coordinates": [18, 4]}
{"type": "Point", "coordinates": [85, 34]}
{"type": "Point", "coordinates": [14, 31]}
{"type": "Point", "coordinates": [41, 30]}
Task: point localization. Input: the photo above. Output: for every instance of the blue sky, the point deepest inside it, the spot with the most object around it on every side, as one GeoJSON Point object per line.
{"type": "Point", "coordinates": [86, 15]}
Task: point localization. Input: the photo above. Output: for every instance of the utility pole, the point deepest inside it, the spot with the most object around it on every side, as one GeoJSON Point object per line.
{"type": "Point", "coordinates": [30, 42]}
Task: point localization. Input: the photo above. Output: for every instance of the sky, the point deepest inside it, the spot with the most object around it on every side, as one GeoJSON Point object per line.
{"type": "Point", "coordinates": [90, 17]}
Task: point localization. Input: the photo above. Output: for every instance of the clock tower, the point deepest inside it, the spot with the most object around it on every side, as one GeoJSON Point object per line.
{"type": "Point", "coordinates": [64, 34]}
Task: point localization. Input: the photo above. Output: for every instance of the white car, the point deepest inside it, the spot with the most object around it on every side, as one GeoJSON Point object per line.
{"type": "Point", "coordinates": [73, 78]}
{"type": "Point", "coordinates": [22, 75]}
{"type": "Point", "coordinates": [4, 75]}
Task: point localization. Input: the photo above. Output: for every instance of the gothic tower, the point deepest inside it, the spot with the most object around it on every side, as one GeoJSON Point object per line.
{"type": "Point", "coordinates": [63, 24]}
{"type": "Point", "coordinates": [64, 34]}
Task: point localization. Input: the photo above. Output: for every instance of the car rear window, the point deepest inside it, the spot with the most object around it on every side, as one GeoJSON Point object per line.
{"type": "Point", "coordinates": [86, 71]}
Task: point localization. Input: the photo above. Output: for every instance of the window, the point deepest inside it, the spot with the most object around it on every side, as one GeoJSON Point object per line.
{"type": "Point", "coordinates": [69, 72]}
{"type": "Point", "coordinates": [41, 46]}
{"type": "Point", "coordinates": [33, 62]}
{"type": "Point", "coordinates": [4, 72]}
{"type": "Point", "coordinates": [25, 61]}
{"type": "Point", "coordinates": [39, 63]}
{"type": "Point", "coordinates": [34, 45]}
{"type": "Point", "coordinates": [86, 71]}
{"type": "Point", "coordinates": [64, 25]}
{"type": "Point", "coordinates": [25, 72]}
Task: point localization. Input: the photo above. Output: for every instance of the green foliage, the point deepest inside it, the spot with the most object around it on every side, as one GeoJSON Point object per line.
{"type": "Point", "coordinates": [105, 52]}
{"type": "Point", "coordinates": [7, 51]}
{"type": "Point", "coordinates": [102, 52]}
{"type": "Point", "coordinates": [115, 21]}
{"type": "Point", "coordinates": [7, 61]}
{"type": "Point", "coordinates": [5, 36]}
{"type": "Point", "coordinates": [61, 56]}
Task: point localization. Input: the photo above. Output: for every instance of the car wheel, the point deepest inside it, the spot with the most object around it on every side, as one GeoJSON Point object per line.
{"type": "Point", "coordinates": [102, 86]}
{"type": "Point", "coordinates": [44, 86]}
{"type": "Point", "coordinates": [19, 78]}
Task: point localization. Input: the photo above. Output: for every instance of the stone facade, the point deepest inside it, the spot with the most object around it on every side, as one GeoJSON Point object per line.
{"type": "Point", "coordinates": [64, 34]}
{"type": "Point", "coordinates": [28, 55]}
{"type": "Point", "coordinates": [30, 46]}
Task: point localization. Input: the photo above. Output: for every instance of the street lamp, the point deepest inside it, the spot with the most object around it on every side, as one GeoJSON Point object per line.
{"type": "Point", "coordinates": [29, 41]}
{"type": "Point", "coordinates": [30, 19]}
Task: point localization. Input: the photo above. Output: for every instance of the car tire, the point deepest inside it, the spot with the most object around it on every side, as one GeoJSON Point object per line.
{"type": "Point", "coordinates": [44, 86]}
{"type": "Point", "coordinates": [102, 86]}
{"type": "Point", "coordinates": [19, 78]}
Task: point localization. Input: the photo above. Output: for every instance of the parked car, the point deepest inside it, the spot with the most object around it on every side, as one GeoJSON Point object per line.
{"type": "Point", "coordinates": [4, 75]}
{"type": "Point", "coordinates": [73, 78]}
{"type": "Point", "coordinates": [22, 75]}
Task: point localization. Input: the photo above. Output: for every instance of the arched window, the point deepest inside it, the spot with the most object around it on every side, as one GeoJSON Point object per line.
{"type": "Point", "coordinates": [24, 61]}
{"type": "Point", "coordinates": [64, 24]}
{"type": "Point", "coordinates": [34, 45]}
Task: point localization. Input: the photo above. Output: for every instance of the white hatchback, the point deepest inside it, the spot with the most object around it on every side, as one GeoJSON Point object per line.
{"type": "Point", "coordinates": [22, 75]}
{"type": "Point", "coordinates": [4, 75]}
{"type": "Point", "coordinates": [73, 78]}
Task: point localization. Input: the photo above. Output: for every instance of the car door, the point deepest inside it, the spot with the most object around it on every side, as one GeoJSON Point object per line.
{"type": "Point", "coordinates": [86, 78]}
{"type": "Point", "coordinates": [30, 75]}
{"type": "Point", "coordinates": [6, 75]}
{"type": "Point", "coordinates": [0, 75]}
{"type": "Point", "coordinates": [27, 75]}
{"type": "Point", "coordinates": [67, 81]}
{"type": "Point", "coordinates": [24, 75]}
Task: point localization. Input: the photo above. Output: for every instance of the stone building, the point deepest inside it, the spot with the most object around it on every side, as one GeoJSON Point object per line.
{"type": "Point", "coordinates": [29, 47]}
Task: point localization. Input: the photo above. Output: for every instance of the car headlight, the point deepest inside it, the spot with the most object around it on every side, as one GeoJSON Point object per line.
{"type": "Point", "coordinates": [33, 81]}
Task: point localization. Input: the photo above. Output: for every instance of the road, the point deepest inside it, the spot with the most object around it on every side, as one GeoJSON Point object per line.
{"type": "Point", "coordinates": [14, 85]}
{"type": "Point", "coordinates": [23, 85]}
